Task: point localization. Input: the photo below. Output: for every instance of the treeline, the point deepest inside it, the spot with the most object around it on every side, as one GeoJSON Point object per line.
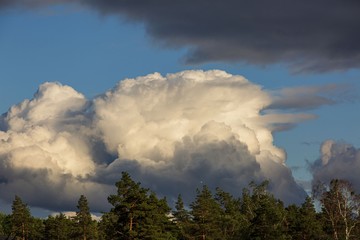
{"type": "Point", "coordinates": [137, 213]}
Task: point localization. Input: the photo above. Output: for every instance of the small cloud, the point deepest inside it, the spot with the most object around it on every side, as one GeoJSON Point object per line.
{"type": "Point", "coordinates": [72, 215]}
{"type": "Point", "coordinates": [310, 97]}
{"type": "Point", "coordinates": [338, 160]}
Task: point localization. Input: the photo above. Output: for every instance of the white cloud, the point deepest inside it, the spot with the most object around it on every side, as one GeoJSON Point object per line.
{"type": "Point", "coordinates": [170, 132]}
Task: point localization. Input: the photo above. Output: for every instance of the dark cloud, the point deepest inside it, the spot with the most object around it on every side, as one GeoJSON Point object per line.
{"type": "Point", "coordinates": [310, 97]}
{"type": "Point", "coordinates": [313, 36]}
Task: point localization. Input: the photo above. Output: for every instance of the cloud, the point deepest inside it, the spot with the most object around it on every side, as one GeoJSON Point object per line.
{"type": "Point", "coordinates": [45, 149]}
{"type": "Point", "coordinates": [338, 160]}
{"type": "Point", "coordinates": [306, 97]}
{"type": "Point", "coordinates": [309, 37]}
{"type": "Point", "coordinates": [172, 133]}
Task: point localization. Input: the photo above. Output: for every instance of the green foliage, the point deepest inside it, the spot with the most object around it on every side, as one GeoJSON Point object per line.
{"type": "Point", "coordinates": [83, 219]}
{"type": "Point", "coordinates": [231, 218]}
{"type": "Point", "coordinates": [181, 219]}
{"type": "Point", "coordinates": [107, 226]}
{"type": "Point", "coordinates": [36, 229]}
{"type": "Point", "coordinates": [303, 223]}
{"type": "Point", "coordinates": [267, 218]}
{"type": "Point", "coordinates": [137, 213]}
{"type": "Point", "coordinates": [59, 227]}
{"type": "Point", "coordinates": [5, 224]}
{"type": "Point", "coordinates": [20, 219]}
{"type": "Point", "coordinates": [340, 206]}
{"type": "Point", "coordinates": [206, 216]}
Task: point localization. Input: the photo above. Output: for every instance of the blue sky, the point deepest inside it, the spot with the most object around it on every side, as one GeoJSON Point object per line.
{"type": "Point", "coordinates": [92, 51]}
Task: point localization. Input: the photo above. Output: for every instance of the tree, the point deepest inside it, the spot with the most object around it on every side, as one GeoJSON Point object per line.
{"type": "Point", "coordinates": [155, 222]}
{"type": "Point", "coordinates": [266, 214]}
{"type": "Point", "coordinates": [231, 219]}
{"type": "Point", "coordinates": [108, 226]}
{"type": "Point", "coordinates": [83, 217]}
{"type": "Point", "coordinates": [37, 229]}
{"type": "Point", "coordinates": [127, 206]}
{"type": "Point", "coordinates": [2, 224]}
{"type": "Point", "coordinates": [6, 225]}
{"type": "Point", "coordinates": [181, 218]}
{"type": "Point", "coordinates": [340, 205]}
{"type": "Point", "coordinates": [20, 218]}
{"type": "Point", "coordinates": [303, 222]}
{"type": "Point", "coordinates": [58, 227]}
{"type": "Point", "coordinates": [136, 213]}
{"type": "Point", "coordinates": [205, 211]}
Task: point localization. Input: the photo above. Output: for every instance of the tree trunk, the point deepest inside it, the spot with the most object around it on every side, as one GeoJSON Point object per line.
{"type": "Point", "coordinates": [131, 224]}
{"type": "Point", "coordinates": [84, 233]}
{"type": "Point", "coordinates": [23, 231]}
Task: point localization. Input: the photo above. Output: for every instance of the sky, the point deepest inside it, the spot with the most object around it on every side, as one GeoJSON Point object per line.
{"type": "Point", "coordinates": [178, 94]}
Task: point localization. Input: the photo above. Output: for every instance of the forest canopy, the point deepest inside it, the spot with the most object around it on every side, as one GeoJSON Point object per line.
{"type": "Point", "coordinates": [138, 213]}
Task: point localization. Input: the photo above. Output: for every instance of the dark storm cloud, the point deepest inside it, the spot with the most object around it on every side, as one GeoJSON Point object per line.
{"type": "Point", "coordinates": [310, 36]}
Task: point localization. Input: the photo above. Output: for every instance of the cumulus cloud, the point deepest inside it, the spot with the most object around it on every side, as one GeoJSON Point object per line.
{"type": "Point", "coordinates": [316, 36]}
{"type": "Point", "coordinates": [338, 160]}
{"type": "Point", "coordinates": [45, 149]}
{"type": "Point", "coordinates": [172, 133]}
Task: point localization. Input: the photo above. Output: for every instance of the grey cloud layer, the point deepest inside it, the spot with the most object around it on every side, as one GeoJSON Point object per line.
{"type": "Point", "coordinates": [315, 36]}
{"type": "Point", "coordinates": [184, 129]}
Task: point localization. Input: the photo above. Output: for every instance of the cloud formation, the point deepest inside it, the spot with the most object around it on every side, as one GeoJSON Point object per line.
{"type": "Point", "coordinates": [172, 133]}
{"type": "Point", "coordinates": [316, 36]}
{"type": "Point", "coordinates": [338, 160]}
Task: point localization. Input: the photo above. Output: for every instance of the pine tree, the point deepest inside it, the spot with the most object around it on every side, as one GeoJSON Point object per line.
{"type": "Point", "coordinates": [6, 225]}
{"type": "Point", "coordinates": [231, 219]}
{"type": "Point", "coordinates": [2, 224]}
{"type": "Point", "coordinates": [267, 215]}
{"type": "Point", "coordinates": [58, 227]}
{"type": "Point", "coordinates": [138, 214]}
{"type": "Point", "coordinates": [37, 229]}
{"type": "Point", "coordinates": [309, 222]}
{"type": "Point", "coordinates": [156, 222]}
{"type": "Point", "coordinates": [83, 217]}
{"type": "Point", "coordinates": [181, 218]}
{"type": "Point", "coordinates": [205, 211]}
{"type": "Point", "coordinates": [108, 226]}
{"type": "Point", "coordinates": [20, 218]}
{"type": "Point", "coordinates": [127, 206]}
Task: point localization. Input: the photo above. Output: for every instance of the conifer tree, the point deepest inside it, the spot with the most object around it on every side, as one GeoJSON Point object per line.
{"type": "Point", "coordinates": [2, 224]}
{"type": "Point", "coordinates": [303, 223]}
{"type": "Point", "coordinates": [58, 227]}
{"type": "Point", "coordinates": [205, 211]}
{"type": "Point", "coordinates": [231, 219]}
{"type": "Point", "coordinates": [310, 225]}
{"type": "Point", "coordinates": [181, 218]}
{"type": "Point", "coordinates": [138, 214]}
{"type": "Point", "coordinates": [267, 215]}
{"type": "Point", "coordinates": [20, 218]}
{"type": "Point", "coordinates": [128, 204]}
{"type": "Point", "coordinates": [83, 217]}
